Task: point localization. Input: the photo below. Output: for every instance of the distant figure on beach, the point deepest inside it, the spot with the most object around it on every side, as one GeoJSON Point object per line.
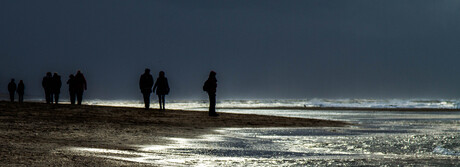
{"type": "Point", "coordinates": [56, 88]}
{"type": "Point", "coordinates": [145, 84]}
{"type": "Point", "coordinates": [47, 86]}
{"type": "Point", "coordinates": [80, 86]}
{"type": "Point", "coordinates": [162, 89]}
{"type": "Point", "coordinates": [72, 89]}
{"type": "Point", "coordinates": [210, 86]}
{"type": "Point", "coordinates": [20, 91]}
{"type": "Point", "coordinates": [12, 89]}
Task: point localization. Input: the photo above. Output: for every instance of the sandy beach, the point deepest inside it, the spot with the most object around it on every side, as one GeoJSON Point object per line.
{"type": "Point", "coordinates": [34, 134]}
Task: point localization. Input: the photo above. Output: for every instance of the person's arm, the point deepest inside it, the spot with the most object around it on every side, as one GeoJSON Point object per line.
{"type": "Point", "coordinates": [84, 81]}
{"type": "Point", "coordinates": [167, 85]}
{"type": "Point", "coordinates": [140, 83]}
{"type": "Point", "coordinates": [150, 82]}
{"type": "Point", "coordinates": [155, 86]}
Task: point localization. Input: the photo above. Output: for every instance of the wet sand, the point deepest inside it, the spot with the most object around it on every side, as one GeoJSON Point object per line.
{"type": "Point", "coordinates": [35, 134]}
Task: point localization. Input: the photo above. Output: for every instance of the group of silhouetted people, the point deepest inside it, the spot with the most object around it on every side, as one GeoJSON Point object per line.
{"type": "Point", "coordinates": [161, 87]}
{"type": "Point", "coordinates": [77, 85]}
{"type": "Point", "coordinates": [52, 86]}
{"type": "Point", "coordinates": [12, 89]}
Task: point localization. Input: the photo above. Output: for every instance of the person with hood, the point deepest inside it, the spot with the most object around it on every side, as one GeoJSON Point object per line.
{"type": "Point", "coordinates": [12, 89]}
{"type": "Point", "coordinates": [80, 86]}
{"type": "Point", "coordinates": [56, 88]}
{"type": "Point", "coordinates": [47, 86]}
{"type": "Point", "coordinates": [145, 84]}
{"type": "Point", "coordinates": [72, 91]}
{"type": "Point", "coordinates": [162, 89]}
{"type": "Point", "coordinates": [20, 91]}
{"type": "Point", "coordinates": [210, 86]}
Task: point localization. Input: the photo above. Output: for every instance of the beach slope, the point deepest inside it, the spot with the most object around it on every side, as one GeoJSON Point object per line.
{"type": "Point", "coordinates": [32, 133]}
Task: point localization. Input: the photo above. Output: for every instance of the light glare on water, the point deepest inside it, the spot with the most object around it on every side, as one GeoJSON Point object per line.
{"type": "Point", "coordinates": [378, 138]}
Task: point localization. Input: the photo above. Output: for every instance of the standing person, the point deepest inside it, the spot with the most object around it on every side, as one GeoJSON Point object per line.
{"type": "Point", "coordinates": [145, 84]}
{"type": "Point", "coordinates": [72, 93]}
{"type": "Point", "coordinates": [56, 88]}
{"type": "Point", "coordinates": [47, 85]}
{"type": "Point", "coordinates": [210, 86]}
{"type": "Point", "coordinates": [162, 89]}
{"type": "Point", "coordinates": [12, 89]}
{"type": "Point", "coordinates": [21, 91]}
{"type": "Point", "coordinates": [80, 86]}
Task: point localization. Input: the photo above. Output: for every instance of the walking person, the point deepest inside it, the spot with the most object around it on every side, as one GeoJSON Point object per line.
{"type": "Point", "coordinates": [145, 84]}
{"type": "Point", "coordinates": [80, 86]}
{"type": "Point", "coordinates": [162, 89]}
{"type": "Point", "coordinates": [72, 89]}
{"type": "Point", "coordinates": [47, 86]}
{"type": "Point", "coordinates": [12, 89]}
{"type": "Point", "coordinates": [20, 91]}
{"type": "Point", "coordinates": [55, 88]}
{"type": "Point", "coordinates": [210, 86]}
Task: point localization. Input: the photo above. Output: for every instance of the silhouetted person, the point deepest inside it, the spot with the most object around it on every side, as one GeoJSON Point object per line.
{"type": "Point", "coordinates": [80, 86]}
{"type": "Point", "coordinates": [210, 86]}
{"type": "Point", "coordinates": [12, 89]}
{"type": "Point", "coordinates": [72, 88]}
{"type": "Point", "coordinates": [55, 88]}
{"type": "Point", "coordinates": [20, 91]}
{"type": "Point", "coordinates": [162, 89]}
{"type": "Point", "coordinates": [47, 86]}
{"type": "Point", "coordinates": [145, 84]}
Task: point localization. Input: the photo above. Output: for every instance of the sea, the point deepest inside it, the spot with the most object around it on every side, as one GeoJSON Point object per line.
{"type": "Point", "coordinates": [376, 138]}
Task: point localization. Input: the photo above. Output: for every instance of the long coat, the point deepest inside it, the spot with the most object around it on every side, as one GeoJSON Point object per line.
{"type": "Point", "coordinates": [162, 86]}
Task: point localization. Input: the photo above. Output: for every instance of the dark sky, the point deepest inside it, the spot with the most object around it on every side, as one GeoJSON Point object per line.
{"type": "Point", "coordinates": [260, 48]}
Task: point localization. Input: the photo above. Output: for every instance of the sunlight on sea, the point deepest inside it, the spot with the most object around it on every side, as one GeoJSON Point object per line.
{"type": "Point", "coordinates": [378, 137]}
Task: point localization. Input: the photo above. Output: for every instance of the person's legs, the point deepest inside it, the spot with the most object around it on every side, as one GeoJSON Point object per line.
{"type": "Point", "coordinates": [212, 104]}
{"type": "Point", "coordinates": [79, 97]}
{"type": "Point", "coordinates": [11, 96]}
{"type": "Point", "coordinates": [47, 97]}
{"type": "Point", "coordinates": [21, 97]}
{"type": "Point", "coordinates": [56, 98]}
{"type": "Point", "coordinates": [163, 100]}
{"type": "Point", "coordinates": [146, 100]}
{"type": "Point", "coordinates": [52, 98]}
{"type": "Point", "coordinates": [159, 101]}
{"type": "Point", "coordinates": [72, 97]}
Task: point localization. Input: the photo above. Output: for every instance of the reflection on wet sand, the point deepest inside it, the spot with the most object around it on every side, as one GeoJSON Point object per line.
{"type": "Point", "coordinates": [379, 138]}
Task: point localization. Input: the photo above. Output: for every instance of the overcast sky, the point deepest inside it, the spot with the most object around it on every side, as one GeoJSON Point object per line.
{"type": "Point", "coordinates": [259, 48]}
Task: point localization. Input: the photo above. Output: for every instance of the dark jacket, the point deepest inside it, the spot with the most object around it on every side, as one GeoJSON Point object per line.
{"type": "Point", "coordinates": [21, 88]}
{"type": "Point", "coordinates": [71, 83]}
{"type": "Point", "coordinates": [80, 82]}
{"type": "Point", "coordinates": [146, 83]}
{"type": "Point", "coordinates": [210, 85]}
{"type": "Point", "coordinates": [162, 86]}
{"type": "Point", "coordinates": [56, 84]}
{"type": "Point", "coordinates": [11, 87]}
{"type": "Point", "coordinates": [47, 83]}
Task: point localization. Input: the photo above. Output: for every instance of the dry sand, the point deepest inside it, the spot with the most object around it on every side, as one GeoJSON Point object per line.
{"type": "Point", "coordinates": [33, 133]}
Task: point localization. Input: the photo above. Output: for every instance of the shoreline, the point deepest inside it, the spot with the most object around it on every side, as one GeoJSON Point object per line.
{"type": "Point", "coordinates": [35, 133]}
{"type": "Point", "coordinates": [344, 108]}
